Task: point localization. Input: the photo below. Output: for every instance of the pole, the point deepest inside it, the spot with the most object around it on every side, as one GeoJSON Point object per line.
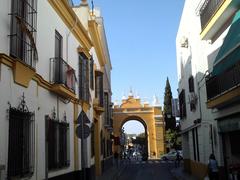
{"type": "Point", "coordinates": [82, 150]}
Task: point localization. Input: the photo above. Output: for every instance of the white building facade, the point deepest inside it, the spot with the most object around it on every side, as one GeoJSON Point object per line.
{"type": "Point", "coordinates": [201, 38]}
{"type": "Point", "coordinates": [47, 61]}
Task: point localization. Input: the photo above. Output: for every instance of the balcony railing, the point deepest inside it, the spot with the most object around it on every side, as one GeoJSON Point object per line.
{"type": "Point", "coordinates": [217, 85]}
{"type": "Point", "coordinates": [208, 9]}
{"type": "Point", "coordinates": [62, 73]}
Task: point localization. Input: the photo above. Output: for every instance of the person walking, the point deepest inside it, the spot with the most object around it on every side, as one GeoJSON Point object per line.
{"type": "Point", "coordinates": [213, 168]}
{"type": "Point", "coordinates": [177, 160]}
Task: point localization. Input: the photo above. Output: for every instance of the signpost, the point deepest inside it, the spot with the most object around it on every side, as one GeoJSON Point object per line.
{"type": "Point", "coordinates": [82, 132]}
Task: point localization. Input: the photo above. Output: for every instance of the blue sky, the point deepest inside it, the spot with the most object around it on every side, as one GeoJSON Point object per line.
{"type": "Point", "coordinates": [133, 127]}
{"type": "Point", "coordinates": [141, 38]}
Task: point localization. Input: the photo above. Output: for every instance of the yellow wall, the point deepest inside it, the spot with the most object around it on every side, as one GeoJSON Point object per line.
{"type": "Point", "coordinates": [132, 109]}
{"type": "Point", "coordinates": [197, 169]}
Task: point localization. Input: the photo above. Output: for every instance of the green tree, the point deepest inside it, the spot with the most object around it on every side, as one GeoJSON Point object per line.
{"type": "Point", "coordinates": [173, 139]}
{"type": "Point", "coordinates": [169, 119]}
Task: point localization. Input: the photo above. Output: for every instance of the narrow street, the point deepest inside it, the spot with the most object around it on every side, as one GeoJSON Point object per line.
{"type": "Point", "coordinates": [147, 170]}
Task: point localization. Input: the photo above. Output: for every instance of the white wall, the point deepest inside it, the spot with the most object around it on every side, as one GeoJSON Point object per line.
{"type": "Point", "coordinates": [5, 9]}
{"type": "Point", "coordinates": [194, 61]}
{"type": "Point", "coordinates": [38, 99]}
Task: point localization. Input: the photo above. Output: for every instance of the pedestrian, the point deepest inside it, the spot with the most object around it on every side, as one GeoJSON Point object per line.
{"type": "Point", "coordinates": [177, 160]}
{"type": "Point", "coordinates": [212, 168]}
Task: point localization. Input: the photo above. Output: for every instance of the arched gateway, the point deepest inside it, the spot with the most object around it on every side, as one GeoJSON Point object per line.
{"type": "Point", "coordinates": [151, 118]}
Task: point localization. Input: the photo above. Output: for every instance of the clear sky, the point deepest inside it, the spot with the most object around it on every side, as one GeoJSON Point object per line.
{"type": "Point", "coordinates": [141, 38]}
{"type": "Point", "coordinates": [133, 127]}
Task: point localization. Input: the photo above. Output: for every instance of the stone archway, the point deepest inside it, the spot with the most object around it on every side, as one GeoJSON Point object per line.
{"type": "Point", "coordinates": [140, 120]}
{"type": "Point", "coordinates": [150, 116]}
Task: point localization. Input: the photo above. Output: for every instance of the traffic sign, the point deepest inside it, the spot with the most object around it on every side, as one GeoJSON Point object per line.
{"type": "Point", "coordinates": [83, 129]}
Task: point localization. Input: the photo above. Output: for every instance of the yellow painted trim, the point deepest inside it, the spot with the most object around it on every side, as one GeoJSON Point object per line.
{"type": "Point", "coordinates": [85, 51]}
{"type": "Point", "coordinates": [224, 98]}
{"type": "Point", "coordinates": [85, 106]}
{"type": "Point", "coordinates": [42, 82]}
{"type": "Point", "coordinates": [96, 37]}
{"type": "Point", "coordinates": [6, 60]}
{"type": "Point", "coordinates": [22, 73]}
{"type": "Point", "coordinates": [70, 18]}
{"type": "Point", "coordinates": [76, 154]}
{"type": "Point", "coordinates": [98, 109]}
{"type": "Point", "coordinates": [197, 169]}
{"type": "Point", "coordinates": [215, 17]}
{"type": "Point", "coordinates": [97, 143]}
{"type": "Point", "coordinates": [99, 71]}
{"type": "Point", "coordinates": [63, 91]}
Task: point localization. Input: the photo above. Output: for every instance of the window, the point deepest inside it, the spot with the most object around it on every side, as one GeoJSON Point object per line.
{"type": "Point", "coordinates": [21, 143]}
{"type": "Point", "coordinates": [83, 78]}
{"type": "Point", "coordinates": [192, 96]}
{"type": "Point", "coordinates": [191, 84]}
{"type": "Point", "coordinates": [106, 109]}
{"type": "Point", "coordinates": [60, 71]}
{"type": "Point", "coordinates": [23, 31]}
{"type": "Point", "coordinates": [58, 58]}
{"type": "Point", "coordinates": [182, 104]}
{"type": "Point", "coordinates": [57, 143]}
{"type": "Point", "coordinates": [91, 73]}
{"type": "Point", "coordinates": [99, 87]}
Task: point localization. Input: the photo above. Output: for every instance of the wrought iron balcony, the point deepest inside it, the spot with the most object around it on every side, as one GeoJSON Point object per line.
{"type": "Point", "coordinates": [221, 84]}
{"type": "Point", "coordinates": [208, 9]}
{"type": "Point", "coordinates": [62, 73]}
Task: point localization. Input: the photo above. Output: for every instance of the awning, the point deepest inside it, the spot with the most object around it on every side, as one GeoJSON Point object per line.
{"type": "Point", "coordinates": [229, 53]}
{"type": "Point", "coordinates": [189, 128]}
{"type": "Point", "coordinates": [229, 123]}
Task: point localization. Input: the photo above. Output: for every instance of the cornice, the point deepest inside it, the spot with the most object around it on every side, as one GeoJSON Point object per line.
{"type": "Point", "coordinates": [93, 29]}
{"type": "Point", "coordinates": [70, 18]}
{"type": "Point", "coordinates": [23, 74]}
{"type": "Point", "coordinates": [85, 51]}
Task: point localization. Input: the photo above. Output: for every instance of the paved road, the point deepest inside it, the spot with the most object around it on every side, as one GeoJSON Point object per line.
{"type": "Point", "coordinates": [149, 170]}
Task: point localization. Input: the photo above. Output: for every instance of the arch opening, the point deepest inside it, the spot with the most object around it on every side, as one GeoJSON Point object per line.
{"type": "Point", "coordinates": [135, 137]}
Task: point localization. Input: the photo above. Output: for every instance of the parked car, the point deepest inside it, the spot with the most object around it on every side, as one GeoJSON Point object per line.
{"type": "Point", "coordinates": [172, 155]}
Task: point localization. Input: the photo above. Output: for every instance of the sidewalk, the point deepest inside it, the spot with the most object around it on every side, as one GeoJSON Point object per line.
{"type": "Point", "coordinates": [179, 174]}
{"type": "Point", "coordinates": [113, 173]}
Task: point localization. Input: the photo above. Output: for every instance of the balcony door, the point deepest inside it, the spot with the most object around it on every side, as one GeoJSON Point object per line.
{"type": "Point", "coordinates": [58, 58]}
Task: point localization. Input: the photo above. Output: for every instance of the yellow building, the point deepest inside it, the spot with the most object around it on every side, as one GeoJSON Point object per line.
{"type": "Point", "coordinates": [151, 118]}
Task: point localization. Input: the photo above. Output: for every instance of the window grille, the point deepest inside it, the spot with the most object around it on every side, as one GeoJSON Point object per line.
{"type": "Point", "coordinates": [106, 109]}
{"type": "Point", "coordinates": [57, 143]}
{"type": "Point", "coordinates": [191, 84]}
{"type": "Point", "coordinates": [91, 73]}
{"type": "Point", "coordinates": [23, 31]}
{"type": "Point", "coordinates": [62, 73]}
{"type": "Point", "coordinates": [192, 96]}
{"type": "Point", "coordinates": [99, 87]}
{"type": "Point", "coordinates": [182, 104]}
{"type": "Point", "coordinates": [83, 78]}
{"type": "Point", "coordinates": [21, 142]}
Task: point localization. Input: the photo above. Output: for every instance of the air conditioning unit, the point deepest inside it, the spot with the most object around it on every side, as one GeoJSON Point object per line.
{"type": "Point", "coordinates": [192, 98]}
{"type": "Point", "coordinates": [184, 42]}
